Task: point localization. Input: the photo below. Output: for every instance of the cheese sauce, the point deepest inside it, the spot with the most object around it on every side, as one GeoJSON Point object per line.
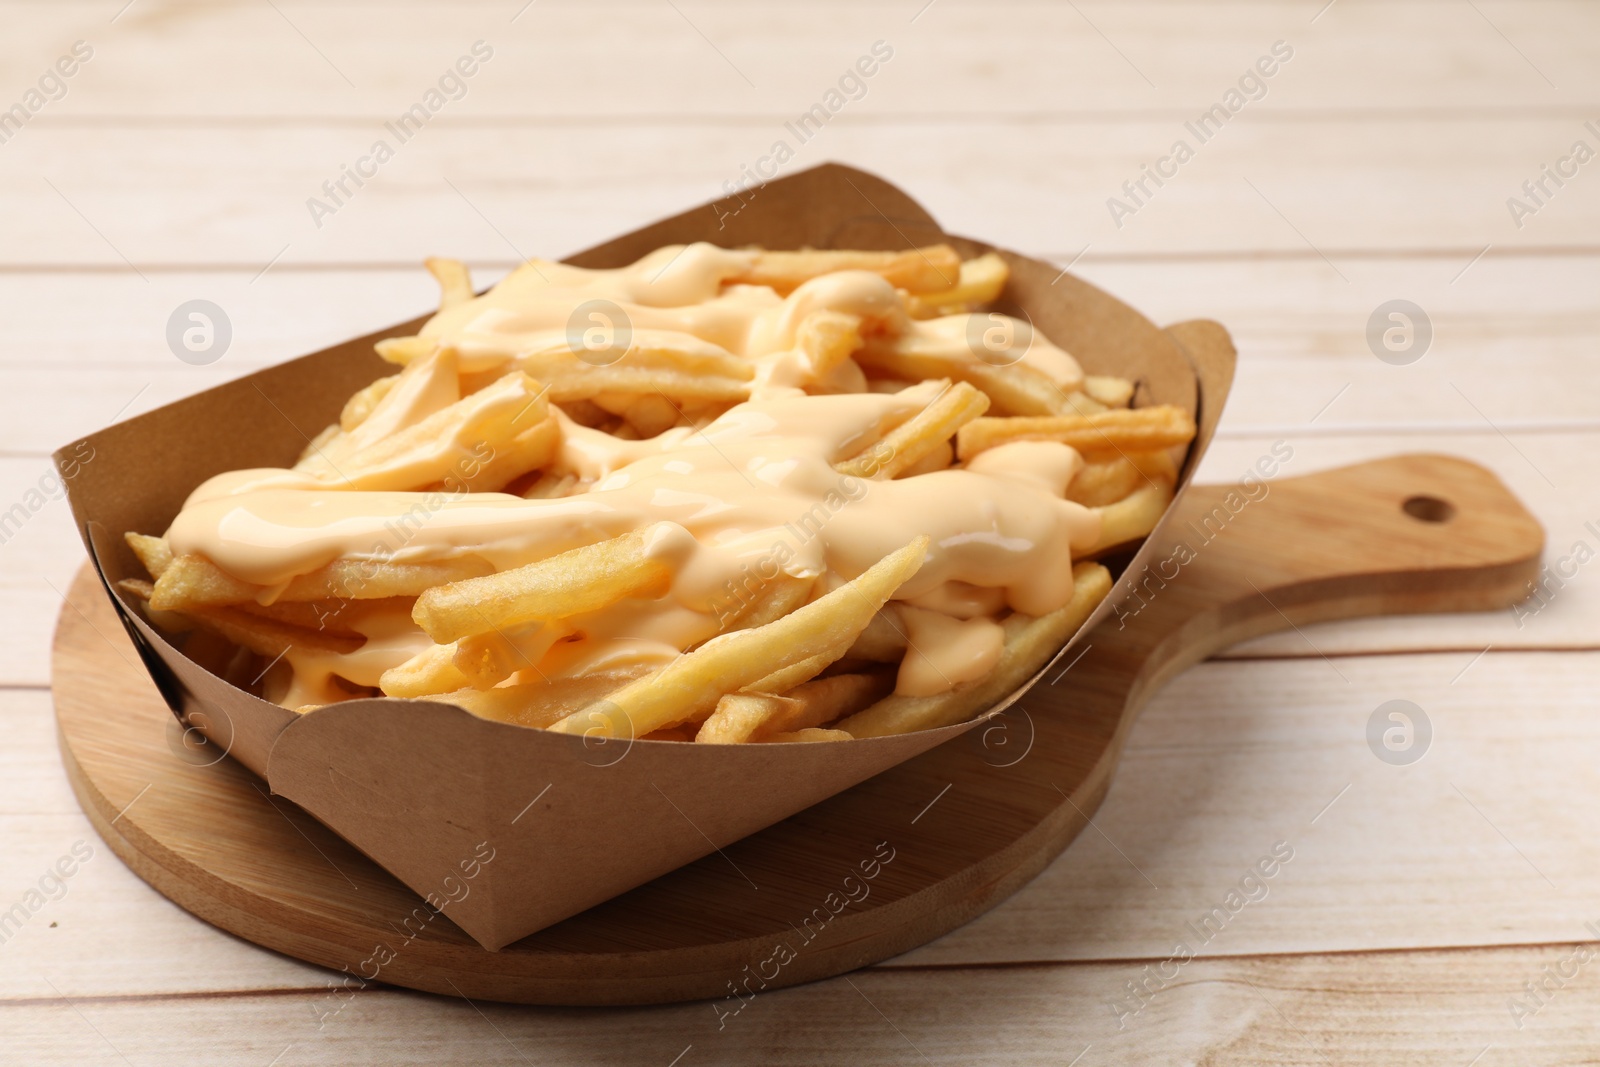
{"type": "Point", "coordinates": [750, 500]}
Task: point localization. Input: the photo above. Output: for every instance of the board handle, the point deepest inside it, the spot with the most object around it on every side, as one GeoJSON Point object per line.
{"type": "Point", "coordinates": [1409, 533]}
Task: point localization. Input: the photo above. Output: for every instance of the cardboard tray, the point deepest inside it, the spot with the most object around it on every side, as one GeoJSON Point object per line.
{"type": "Point", "coordinates": [423, 788]}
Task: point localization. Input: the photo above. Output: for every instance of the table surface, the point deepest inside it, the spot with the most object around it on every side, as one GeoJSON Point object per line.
{"type": "Point", "coordinates": [1432, 912]}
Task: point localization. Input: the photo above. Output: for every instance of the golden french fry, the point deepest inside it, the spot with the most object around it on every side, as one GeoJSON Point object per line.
{"type": "Point", "coordinates": [529, 450]}
{"type": "Point", "coordinates": [423, 387]}
{"type": "Point", "coordinates": [194, 581]}
{"type": "Point", "coordinates": [828, 338]}
{"type": "Point", "coordinates": [264, 636]}
{"type": "Point", "coordinates": [624, 383]}
{"type": "Point", "coordinates": [172, 622]}
{"type": "Point", "coordinates": [490, 658]}
{"type": "Point", "coordinates": [268, 637]}
{"type": "Point", "coordinates": [883, 640]}
{"type": "Point", "coordinates": [1081, 403]}
{"type": "Point", "coordinates": [924, 433]}
{"type": "Point", "coordinates": [411, 458]}
{"type": "Point", "coordinates": [1132, 517]}
{"type": "Point", "coordinates": [823, 700]}
{"type": "Point", "coordinates": [938, 458]}
{"type": "Point", "coordinates": [136, 587]}
{"type": "Point", "coordinates": [776, 606]}
{"type": "Point", "coordinates": [429, 673]}
{"type": "Point", "coordinates": [1030, 642]}
{"type": "Point", "coordinates": [691, 685]}
{"type": "Point", "coordinates": [1017, 389]}
{"type": "Point", "coordinates": [1104, 481]}
{"type": "Point", "coordinates": [550, 356]}
{"type": "Point", "coordinates": [765, 603]}
{"type": "Point", "coordinates": [359, 406]}
{"type": "Point", "coordinates": [809, 734]}
{"type": "Point", "coordinates": [781, 681]}
{"type": "Point", "coordinates": [1112, 392]}
{"type": "Point", "coordinates": [580, 580]}
{"type": "Point", "coordinates": [540, 704]}
{"type": "Point", "coordinates": [577, 381]}
{"type": "Point", "coordinates": [335, 616]}
{"type": "Point", "coordinates": [1159, 465]}
{"type": "Point", "coordinates": [982, 280]}
{"type": "Point", "coordinates": [1134, 430]}
{"type": "Point", "coordinates": [662, 363]}
{"type": "Point", "coordinates": [455, 282]}
{"type": "Point", "coordinates": [738, 716]}
{"type": "Point", "coordinates": [358, 579]}
{"type": "Point", "coordinates": [935, 268]}
{"type": "Point", "coordinates": [153, 552]}
{"type": "Point", "coordinates": [403, 350]}
{"type": "Point", "coordinates": [191, 581]}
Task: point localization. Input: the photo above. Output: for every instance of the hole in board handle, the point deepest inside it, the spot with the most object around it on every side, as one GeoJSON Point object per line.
{"type": "Point", "coordinates": [1429, 509]}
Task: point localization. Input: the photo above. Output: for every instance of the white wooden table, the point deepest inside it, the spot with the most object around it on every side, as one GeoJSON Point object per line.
{"type": "Point", "coordinates": [1376, 166]}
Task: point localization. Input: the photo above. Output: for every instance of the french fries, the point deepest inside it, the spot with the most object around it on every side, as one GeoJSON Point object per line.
{"type": "Point", "coordinates": [828, 338]}
{"type": "Point", "coordinates": [980, 283]}
{"type": "Point", "coordinates": [540, 704]}
{"type": "Point", "coordinates": [455, 283]}
{"type": "Point", "coordinates": [428, 673]}
{"type": "Point", "coordinates": [656, 363]}
{"type": "Point", "coordinates": [809, 734]}
{"type": "Point", "coordinates": [361, 405]}
{"type": "Point", "coordinates": [191, 581]}
{"type": "Point", "coordinates": [910, 442]}
{"type": "Point", "coordinates": [1016, 389]}
{"type": "Point", "coordinates": [411, 458]}
{"type": "Point", "coordinates": [1132, 517]}
{"type": "Point", "coordinates": [692, 685]}
{"type": "Point", "coordinates": [1138, 430]}
{"type": "Point", "coordinates": [572, 583]}
{"type": "Point", "coordinates": [721, 531]}
{"type": "Point", "coordinates": [1028, 645]}
{"type": "Point", "coordinates": [741, 717]}
{"type": "Point", "coordinates": [260, 634]}
{"type": "Point", "coordinates": [922, 270]}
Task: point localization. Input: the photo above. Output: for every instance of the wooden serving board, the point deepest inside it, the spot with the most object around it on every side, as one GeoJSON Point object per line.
{"type": "Point", "coordinates": [867, 874]}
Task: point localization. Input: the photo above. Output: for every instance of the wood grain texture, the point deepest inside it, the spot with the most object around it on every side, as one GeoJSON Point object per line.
{"type": "Point", "coordinates": [1399, 1009]}
{"type": "Point", "coordinates": [1233, 757]}
{"type": "Point", "coordinates": [89, 346]}
{"type": "Point", "coordinates": [1096, 58]}
{"type": "Point", "coordinates": [1015, 800]}
{"type": "Point", "coordinates": [1311, 190]}
{"type": "Point", "coordinates": [1226, 761]}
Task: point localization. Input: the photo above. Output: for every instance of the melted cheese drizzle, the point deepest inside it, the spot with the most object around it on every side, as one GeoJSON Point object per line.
{"type": "Point", "coordinates": [748, 499]}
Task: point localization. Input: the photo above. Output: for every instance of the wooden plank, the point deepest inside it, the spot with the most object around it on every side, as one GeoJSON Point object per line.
{"type": "Point", "coordinates": [772, 61]}
{"type": "Point", "coordinates": [1381, 1009]}
{"type": "Point", "coordinates": [1233, 758]}
{"type": "Point", "coordinates": [159, 947]}
{"type": "Point", "coordinates": [83, 346]}
{"type": "Point", "coordinates": [1227, 762]}
{"type": "Point", "coordinates": [1308, 189]}
{"type": "Point", "coordinates": [1548, 471]}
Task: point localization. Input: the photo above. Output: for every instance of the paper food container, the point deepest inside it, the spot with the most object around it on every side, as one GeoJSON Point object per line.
{"type": "Point", "coordinates": [420, 787]}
